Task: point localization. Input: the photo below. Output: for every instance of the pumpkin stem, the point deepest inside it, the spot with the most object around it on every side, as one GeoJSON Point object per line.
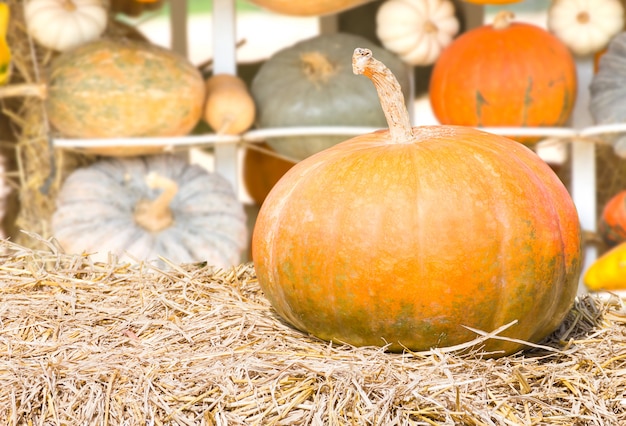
{"type": "Point", "coordinates": [156, 215]}
{"type": "Point", "coordinates": [430, 27]}
{"type": "Point", "coordinates": [24, 90]}
{"type": "Point", "coordinates": [69, 5]}
{"type": "Point", "coordinates": [583, 17]}
{"type": "Point", "coordinates": [389, 93]}
{"type": "Point", "coordinates": [503, 20]}
{"type": "Point", "coordinates": [316, 67]}
{"type": "Point", "coordinates": [227, 122]}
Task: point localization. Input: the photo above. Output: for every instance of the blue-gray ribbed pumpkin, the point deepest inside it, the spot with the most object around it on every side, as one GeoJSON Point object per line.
{"type": "Point", "coordinates": [143, 208]}
{"type": "Point", "coordinates": [608, 92]}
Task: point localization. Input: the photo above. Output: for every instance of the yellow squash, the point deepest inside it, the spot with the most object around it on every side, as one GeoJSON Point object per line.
{"type": "Point", "coordinates": [5, 52]}
{"type": "Point", "coordinates": [608, 272]}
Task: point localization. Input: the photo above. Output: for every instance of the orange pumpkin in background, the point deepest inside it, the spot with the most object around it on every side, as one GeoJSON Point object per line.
{"type": "Point", "coordinates": [596, 59]}
{"type": "Point", "coordinates": [612, 227]}
{"type": "Point", "coordinates": [134, 8]}
{"type": "Point", "coordinates": [487, 2]}
{"type": "Point", "coordinates": [505, 74]}
{"type": "Point", "coordinates": [404, 236]}
{"type": "Point", "coordinates": [261, 171]}
{"type": "Point", "coordinates": [308, 7]}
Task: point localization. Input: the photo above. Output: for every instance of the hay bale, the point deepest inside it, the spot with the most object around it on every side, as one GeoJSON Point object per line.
{"type": "Point", "coordinates": [610, 175]}
{"type": "Point", "coordinates": [113, 344]}
{"type": "Point", "coordinates": [41, 169]}
{"type": "Point", "coordinates": [610, 179]}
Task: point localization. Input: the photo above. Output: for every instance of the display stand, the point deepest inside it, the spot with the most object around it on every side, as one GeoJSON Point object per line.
{"type": "Point", "coordinates": [225, 147]}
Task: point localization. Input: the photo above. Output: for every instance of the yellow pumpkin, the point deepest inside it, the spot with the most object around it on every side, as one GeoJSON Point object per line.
{"type": "Point", "coordinates": [608, 272]}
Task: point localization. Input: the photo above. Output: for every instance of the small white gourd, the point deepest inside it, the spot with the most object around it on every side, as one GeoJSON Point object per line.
{"type": "Point", "coordinates": [416, 30]}
{"type": "Point", "coordinates": [63, 24]}
{"type": "Point", "coordinates": [585, 26]}
{"type": "Point", "coordinates": [146, 208]}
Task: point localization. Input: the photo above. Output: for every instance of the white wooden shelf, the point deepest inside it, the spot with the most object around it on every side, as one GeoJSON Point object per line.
{"type": "Point", "coordinates": [582, 137]}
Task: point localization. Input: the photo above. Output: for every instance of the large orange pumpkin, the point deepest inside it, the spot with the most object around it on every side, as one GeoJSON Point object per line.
{"type": "Point", "coordinates": [407, 235]}
{"type": "Point", "coordinates": [505, 74]}
{"type": "Point", "coordinates": [612, 227]}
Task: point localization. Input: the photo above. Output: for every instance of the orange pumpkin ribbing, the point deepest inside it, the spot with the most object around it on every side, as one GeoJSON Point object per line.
{"type": "Point", "coordinates": [411, 257]}
{"type": "Point", "coordinates": [382, 240]}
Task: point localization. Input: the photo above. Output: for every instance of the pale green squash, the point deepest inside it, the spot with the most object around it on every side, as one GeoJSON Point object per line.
{"type": "Point", "coordinates": [311, 84]}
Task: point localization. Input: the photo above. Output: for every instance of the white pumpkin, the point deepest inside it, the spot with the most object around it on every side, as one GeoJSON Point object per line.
{"type": "Point", "coordinates": [416, 30]}
{"type": "Point", "coordinates": [144, 208]}
{"type": "Point", "coordinates": [585, 26]}
{"type": "Point", "coordinates": [63, 24]}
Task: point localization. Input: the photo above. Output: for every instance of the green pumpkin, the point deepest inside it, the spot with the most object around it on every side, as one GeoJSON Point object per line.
{"type": "Point", "coordinates": [123, 88]}
{"type": "Point", "coordinates": [312, 84]}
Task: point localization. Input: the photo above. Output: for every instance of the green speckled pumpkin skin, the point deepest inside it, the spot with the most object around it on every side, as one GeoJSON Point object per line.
{"type": "Point", "coordinates": [287, 97]}
{"type": "Point", "coordinates": [123, 88]}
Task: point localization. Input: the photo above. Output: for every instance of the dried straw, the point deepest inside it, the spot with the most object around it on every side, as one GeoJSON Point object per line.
{"type": "Point", "coordinates": [86, 343]}
{"type": "Point", "coordinates": [41, 169]}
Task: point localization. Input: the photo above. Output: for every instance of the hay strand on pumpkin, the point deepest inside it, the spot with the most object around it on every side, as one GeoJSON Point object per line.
{"type": "Point", "coordinates": [109, 343]}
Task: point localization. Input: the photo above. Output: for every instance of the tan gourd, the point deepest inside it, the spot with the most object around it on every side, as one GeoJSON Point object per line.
{"type": "Point", "coordinates": [229, 107]}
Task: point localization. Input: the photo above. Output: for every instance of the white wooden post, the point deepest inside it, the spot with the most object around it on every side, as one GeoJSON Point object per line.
{"type": "Point", "coordinates": [225, 61]}
{"type": "Point", "coordinates": [178, 23]}
{"type": "Point", "coordinates": [583, 184]}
